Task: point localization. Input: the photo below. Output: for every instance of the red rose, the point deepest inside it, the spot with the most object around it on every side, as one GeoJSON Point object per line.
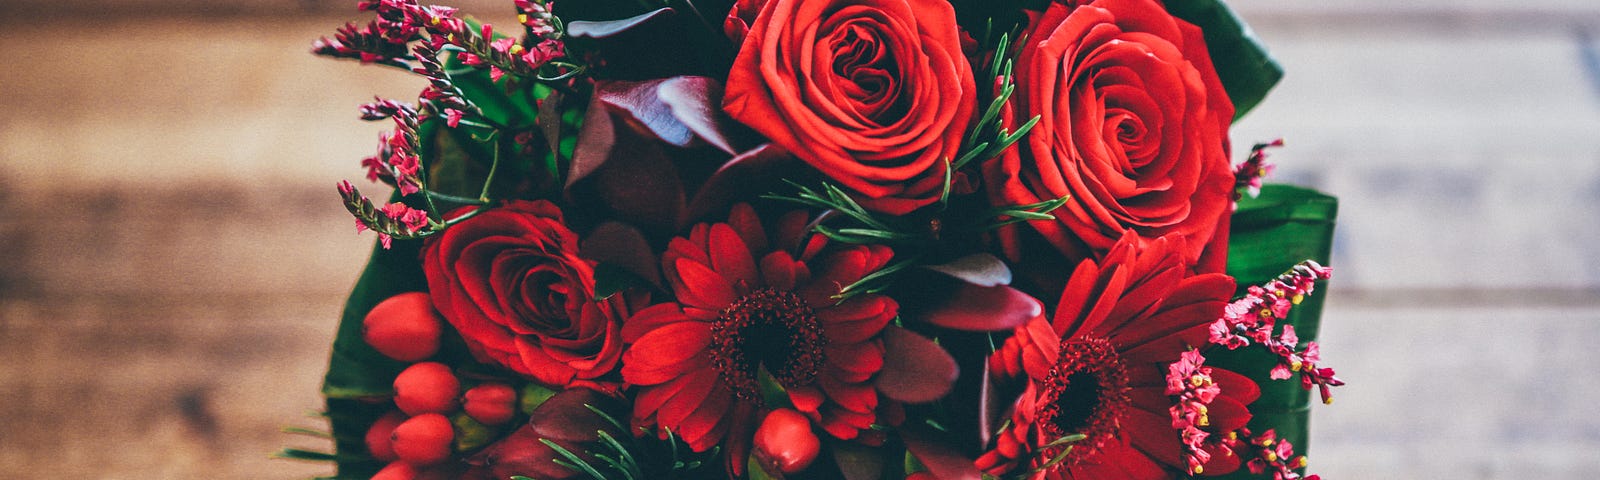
{"type": "Point", "coordinates": [511, 281]}
{"type": "Point", "coordinates": [874, 93]}
{"type": "Point", "coordinates": [1133, 127]}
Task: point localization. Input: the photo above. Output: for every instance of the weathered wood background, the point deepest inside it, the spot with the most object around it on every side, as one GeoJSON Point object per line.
{"type": "Point", "coordinates": [172, 255]}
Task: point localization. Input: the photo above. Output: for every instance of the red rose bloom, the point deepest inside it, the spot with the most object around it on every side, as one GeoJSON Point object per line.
{"type": "Point", "coordinates": [1133, 126]}
{"type": "Point", "coordinates": [1100, 368]}
{"type": "Point", "coordinates": [511, 281]}
{"type": "Point", "coordinates": [874, 93]}
{"type": "Point", "coordinates": [746, 304]}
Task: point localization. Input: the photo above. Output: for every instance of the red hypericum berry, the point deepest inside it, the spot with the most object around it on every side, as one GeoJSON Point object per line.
{"type": "Point", "coordinates": [490, 403]}
{"type": "Point", "coordinates": [424, 439]}
{"type": "Point", "coordinates": [914, 476]}
{"type": "Point", "coordinates": [786, 436]}
{"type": "Point", "coordinates": [396, 471]}
{"type": "Point", "coordinates": [404, 327]}
{"type": "Point", "coordinates": [426, 387]}
{"type": "Point", "coordinates": [378, 436]}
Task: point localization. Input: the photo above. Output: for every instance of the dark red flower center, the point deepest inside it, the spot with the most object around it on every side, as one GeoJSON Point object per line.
{"type": "Point", "coordinates": [771, 329]}
{"type": "Point", "coordinates": [1085, 393]}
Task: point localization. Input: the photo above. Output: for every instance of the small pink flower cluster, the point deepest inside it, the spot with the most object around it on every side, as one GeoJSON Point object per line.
{"type": "Point", "coordinates": [427, 30]}
{"type": "Point", "coordinates": [1248, 175]}
{"type": "Point", "coordinates": [393, 219]}
{"type": "Point", "coordinates": [396, 161]}
{"type": "Point", "coordinates": [365, 43]}
{"type": "Point", "coordinates": [403, 21]}
{"type": "Point", "coordinates": [1253, 319]}
{"type": "Point", "coordinates": [1190, 381]}
{"type": "Point", "coordinates": [537, 17]}
{"type": "Point", "coordinates": [1274, 455]}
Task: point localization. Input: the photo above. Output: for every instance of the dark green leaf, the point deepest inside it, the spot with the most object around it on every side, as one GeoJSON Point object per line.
{"type": "Point", "coordinates": [358, 374]}
{"type": "Point", "coordinates": [1248, 72]}
{"type": "Point", "coordinates": [516, 109]}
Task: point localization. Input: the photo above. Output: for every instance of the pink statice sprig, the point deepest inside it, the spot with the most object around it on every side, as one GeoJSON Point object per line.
{"type": "Point", "coordinates": [413, 36]}
{"type": "Point", "coordinates": [1253, 319]}
{"type": "Point", "coordinates": [1190, 384]}
{"type": "Point", "coordinates": [1271, 455]}
{"type": "Point", "coordinates": [1248, 176]}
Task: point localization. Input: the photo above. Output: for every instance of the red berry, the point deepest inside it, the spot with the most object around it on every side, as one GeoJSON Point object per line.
{"type": "Point", "coordinates": [426, 387]}
{"type": "Point", "coordinates": [491, 403]}
{"type": "Point", "coordinates": [378, 436]}
{"type": "Point", "coordinates": [404, 327]}
{"type": "Point", "coordinates": [396, 471]}
{"type": "Point", "coordinates": [914, 476]}
{"type": "Point", "coordinates": [786, 436]}
{"type": "Point", "coordinates": [424, 439]}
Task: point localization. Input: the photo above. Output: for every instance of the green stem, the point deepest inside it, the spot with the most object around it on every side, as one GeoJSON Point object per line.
{"type": "Point", "coordinates": [455, 198]}
{"type": "Point", "coordinates": [494, 166]}
{"type": "Point", "coordinates": [422, 179]}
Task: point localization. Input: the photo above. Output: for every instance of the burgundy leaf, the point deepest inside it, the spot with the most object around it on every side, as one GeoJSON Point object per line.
{"type": "Point", "coordinates": [978, 308]}
{"type": "Point", "coordinates": [609, 28]}
{"type": "Point", "coordinates": [596, 139]}
{"type": "Point", "coordinates": [622, 245]}
{"type": "Point", "coordinates": [697, 102]}
{"type": "Point", "coordinates": [978, 269]}
{"type": "Point", "coordinates": [679, 110]}
{"type": "Point", "coordinates": [992, 407]}
{"type": "Point", "coordinates": [915, 369]}
{"type": "Point", "coordinates": [630, 174]}
{"type": "Point", "coordinates": [756, 171]}
{"type": "Point", "coordinates": [942, 461]}
{"type": "Point", "coordinates": [564, 419]}
{"type": "Point", "coordinates": [567, 417]}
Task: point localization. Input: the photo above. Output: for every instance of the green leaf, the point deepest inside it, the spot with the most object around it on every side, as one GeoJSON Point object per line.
{"type": "Point", "coordinates": [1270, 234]}
{"type": "Point", "coordinates": [1248, 72]}
{"type": "Point", "coordinates": [471, 434]}
{"type": "Point", "coordinates": [516, 109]}
{"type": "Point", "coordinates": [533, 395]}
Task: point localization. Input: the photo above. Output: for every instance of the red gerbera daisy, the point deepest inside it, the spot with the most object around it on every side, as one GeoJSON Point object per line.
{"type": "Point", "coordinates": [1100, 368]}
{"type": "Point", "coordinates": [747, 304]}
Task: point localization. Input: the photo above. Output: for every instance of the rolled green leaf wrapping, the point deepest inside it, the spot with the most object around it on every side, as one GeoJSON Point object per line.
{"type": "Point", "coordinates": [359, 378]}
{"type": "Point", "coordinates": [1271, 233]}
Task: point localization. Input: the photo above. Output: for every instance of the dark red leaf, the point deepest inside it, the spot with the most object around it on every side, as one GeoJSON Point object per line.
{"type": "Point", "coordinates": [629, 173]}
{"type": "Point", "coordinates": [609, 28]}
{"type": "Point", "coordinates": [915, 369]}
{"type": "Point", "coordinates": [566, 416]}
{"type": "Point", "coordinates": [678, 110]}
{"type": "Point", "coordinates": [754, 172]}
{"type": "Point", "coordinates": [622, 245]}
{"type": "Point", "coordinates": [978, 269]}
{"type": "Point", "coordinates": [992, 407]}
{"type": "Point", "coordinates": [943, 461]}
{"type": "Point", "coordinates": [697, 102]}
{"type": "Point", "coordinates": [978, 308]}
{"type": "Point", "coordinates": [564, 419]}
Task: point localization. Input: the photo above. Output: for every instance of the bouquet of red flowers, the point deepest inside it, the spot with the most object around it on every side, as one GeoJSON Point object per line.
{"type": "Point", "coordinates": [858, 239]}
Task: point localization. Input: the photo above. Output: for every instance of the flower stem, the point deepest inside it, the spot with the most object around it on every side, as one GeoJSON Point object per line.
{"type": "Point", "coordinates": [493, 166]}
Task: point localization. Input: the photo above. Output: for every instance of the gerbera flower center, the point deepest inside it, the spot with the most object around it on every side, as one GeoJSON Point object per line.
{"type": "Point", "coordinates": [1086, 392]}
{"type": "Point", "coordinates": [771, 329]}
